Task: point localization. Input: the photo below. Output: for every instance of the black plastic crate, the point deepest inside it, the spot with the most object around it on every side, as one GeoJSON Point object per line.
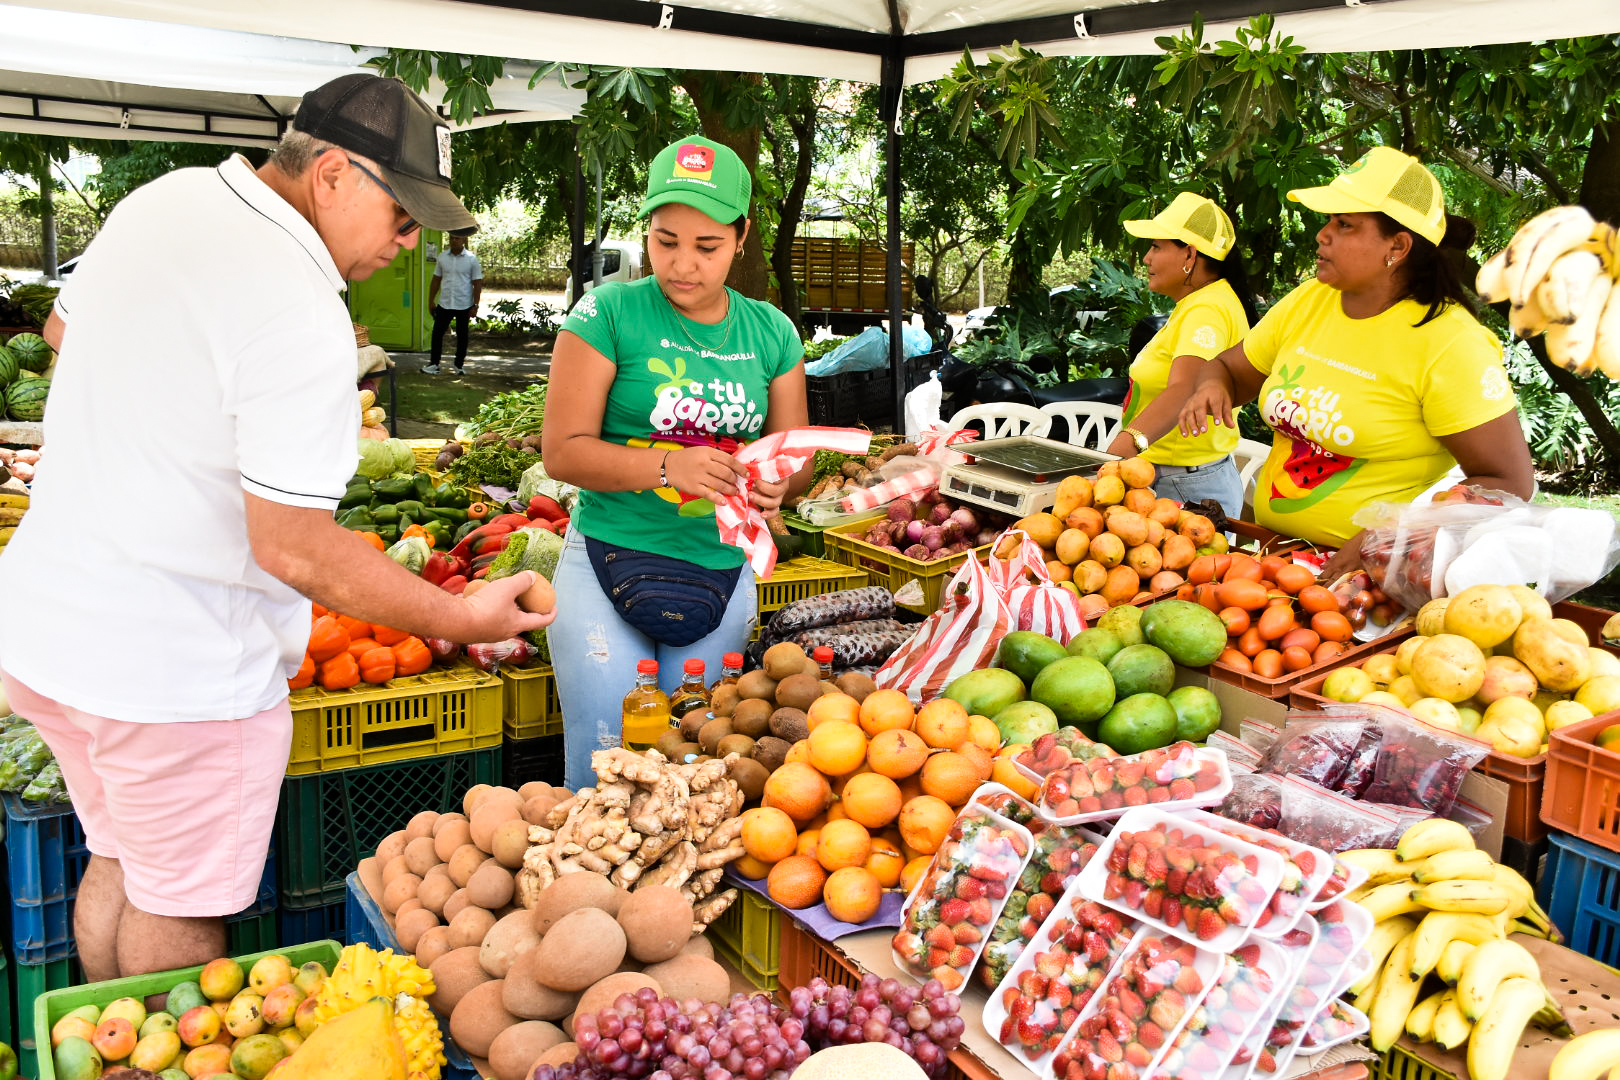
{"type": "Point", "coordinates": [299, 925]}
{"type": "Point", "coordinates": [852, 398]}
{"type": "Point", "coordinates": [328, 822]}
{"type": "Point", "coordinates": [523, 760]}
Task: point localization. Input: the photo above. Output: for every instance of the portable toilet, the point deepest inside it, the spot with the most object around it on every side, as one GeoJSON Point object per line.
{"type": "Point", "coordinates": [393, 303]}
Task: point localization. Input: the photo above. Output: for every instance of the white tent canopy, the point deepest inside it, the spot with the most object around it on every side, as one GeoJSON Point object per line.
{"type": "Point", "coordinates": [107, 77]}
{"type": "Point", "coordinates": [850, 39]}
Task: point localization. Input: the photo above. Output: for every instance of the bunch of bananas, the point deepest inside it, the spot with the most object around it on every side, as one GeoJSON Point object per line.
{"type": "Point", "coordinates": [362, 974]}
{"type": "Point", "coordinates": [1559, 274]}
{"type": "Point", "coordinates": [12, 508]}
{"type": "Point", "coordinates": [1444, 910]}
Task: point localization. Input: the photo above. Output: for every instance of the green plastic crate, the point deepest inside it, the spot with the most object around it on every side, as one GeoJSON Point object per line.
{"type": "Point", "coordinates": [33, 981]}
{"type": "Point", "coordinates": [251, 933]}
{"type": "Point", "coordinates": [328, 822]}
{"type": "Point", "coordinates": [748, 935]}
{"type": "Point", "coordinates": [5, 1000]}
{"type": "Point", "coordinates": [52, 1005]}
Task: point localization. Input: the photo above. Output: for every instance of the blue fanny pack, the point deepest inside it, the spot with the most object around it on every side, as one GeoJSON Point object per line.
{"type": "Point", "coordinates": [672, 601]}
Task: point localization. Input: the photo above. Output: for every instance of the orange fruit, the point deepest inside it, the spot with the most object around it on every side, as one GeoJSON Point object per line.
{"type": "Point", "coordinates": [1004, 772]}
{"type": "Point", "coordinates": [799, 752]}
{"type": "Point", "coordinates": [914, 871]}
{"type": "Point", "coordinates": [910, 787]}
{"type": "Point", "coordinates": [835, 812]}
{"type": "Point", "coordinates": [797, 789]}
{"type": "Point", "coordinates": [833, 707]}
{"type": "Point", "coordinates": [982, 731]}
{"type": "Point", "coordinates": [871, 799]}
{"type": "Point", "coordinates": [885, 862]}
{"type": "Point", "coordinates": [843, 843]}
{"type": "Point", "coordinates": [837, 747]}
{"type": "Point", "coordinates": [768, 834]}
{"type": "Point", "coordinates": [950, 776]}
{"type": "Point", "coordinates": [852, 894]}
{"type": "Point", "coordinates": [749, 867]}
{"type": "Point", "coordinates": [896, 753]}
{"type": "Point", "coordinates": [886, 710]}
{"type": "Point", "coordinates": [943, 724]}
{"type": "Point", "coordinates": [924, 821]}
{"type": "Point", "coordinates": [796, 881]}
{"type": "Point", "coordinates": [808, 840]}
{"type": "Point", "coordinates": [982, 759]}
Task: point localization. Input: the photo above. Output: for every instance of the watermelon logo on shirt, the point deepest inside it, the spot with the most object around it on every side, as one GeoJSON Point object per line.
{"type": "Point", "coordinates": [1311, 420]}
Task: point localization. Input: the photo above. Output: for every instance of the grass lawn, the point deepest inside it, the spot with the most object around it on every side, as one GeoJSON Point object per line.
{"type": "Point", "coordinates": [431, 405]}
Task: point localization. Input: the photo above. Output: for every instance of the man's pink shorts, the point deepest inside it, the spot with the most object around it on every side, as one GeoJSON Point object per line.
{"type": "Point", "coordinates": [185, 808]}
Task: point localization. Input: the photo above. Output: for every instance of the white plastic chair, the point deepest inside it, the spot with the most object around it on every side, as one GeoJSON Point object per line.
{"type": "Point", "coordinates": [1249, 456]}
{"type": "Point", "coordinates": [1092, 424]}
{"type": "Point", "coordinates": [1002, 419]}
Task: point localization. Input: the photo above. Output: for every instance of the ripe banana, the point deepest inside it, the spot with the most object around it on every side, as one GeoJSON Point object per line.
{"type": "Point", "coordinates": [11, 516]}
{"type": "Point", "coordinates": [1380, 864]}
{"type": "Point", "coordinates": [1396, 993]}
{"type": "Point", "coordinates": [1540, 242]}
{"type": "Point", "coordinates": [1420, 1021]}
{"type": "Point", "coordinates": [1452, 957]}
{"type": "Point", "coordinates": [1527, 319]}
{"type": "Point", "coordinates": [1491, 282]}
{"type": "Point", "coordinates": [1573, 347]}
{"type": "Point", "coordinates": [1496, 1034]}
{"type": "Point", "coordinates": [1606, 345]}
{"type": "Point", "coordinates": [1523, 894]}
{"type": "Point", "coordinates": [1562, 294]}
{"type": "Point", "coordinates": [1458, 863]}
{"type": "Point", "coordinates": [1430, 837]}
{"type": "Point", "coordinates": [1484, 897]}
{"type": "Point", "coordinates": [1385, 936]}
{"type": "Point", "coordinates": [1487, 968]}
{"type": "Point", "coordinates": [1588, 1056]}
{"type": "Point", "coordinates": [1440, 928]}
{"type": "Point", "coordinates": [1389, 900]}
{"type": "Point", "coordinates": [10, 500]}
{"type": "Point", "coordinates": [1450, 1028]}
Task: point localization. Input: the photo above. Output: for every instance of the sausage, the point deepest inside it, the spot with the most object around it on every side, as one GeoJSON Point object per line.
{"type": "Point", "coordinates": [828, 609]}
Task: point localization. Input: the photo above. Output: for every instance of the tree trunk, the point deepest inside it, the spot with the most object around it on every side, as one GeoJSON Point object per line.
{"type": "Point", "coordinates": [1600, 179]}
{"type": "Point", "coordinates": [47, 221]}
{"type": "Point", "coordinates": [1590, 407]}
{"type": "Point", "coordinates": [748, 275]}
{"type": "Point", "coordinates": [803, 127]}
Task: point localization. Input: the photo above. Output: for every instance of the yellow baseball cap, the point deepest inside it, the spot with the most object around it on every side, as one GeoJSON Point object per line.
{"type": "Point", "coordinates": [1192, 219]}
{"type": "Point", "coordinates": [1386, 181]}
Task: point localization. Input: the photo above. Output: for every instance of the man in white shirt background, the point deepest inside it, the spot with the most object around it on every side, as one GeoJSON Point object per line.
{"type": "Point", "coordinates": [458, 282]}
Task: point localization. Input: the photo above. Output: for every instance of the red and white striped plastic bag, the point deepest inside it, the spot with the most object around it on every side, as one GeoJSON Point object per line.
{"type": "Point", "coordinates": [1034, 601]}
{"type": "Point", "coordinates": [962, 636]}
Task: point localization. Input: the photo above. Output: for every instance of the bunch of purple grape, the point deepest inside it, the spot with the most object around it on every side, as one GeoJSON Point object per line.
{"type": "Point", "coordinates": [921, 1021]}
{"type": "Point", "coordinates": [644, 1035]}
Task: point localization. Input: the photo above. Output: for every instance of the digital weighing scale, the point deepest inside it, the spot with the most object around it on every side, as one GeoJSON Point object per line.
{"type": "Point", "coordinates": [1019, 475]}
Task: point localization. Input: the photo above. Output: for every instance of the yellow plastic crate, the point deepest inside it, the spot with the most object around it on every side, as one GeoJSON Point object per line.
{"type": "Point", "coordinates": [892, 569]}
{"type": "Point", "coordinates": [441, 711]}
{"type": "Point", "coordinates": [803, 577]}
{"type": "Point", "coordinates": [426, 451]}
{"type": "Point", "coordinates": [748, 935]}
{"type": "Point", "coordinates": [531, 708]}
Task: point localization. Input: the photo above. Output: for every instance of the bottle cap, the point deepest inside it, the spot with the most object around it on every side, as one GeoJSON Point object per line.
{"type": "Point", "coordinates": [823, 654]}
{"type": "Point", "coordinates": [694, 667]}
{"type": "Point", "coordinates": [648, 667]}
{"type": "Point", "coordinates": [733, 659]}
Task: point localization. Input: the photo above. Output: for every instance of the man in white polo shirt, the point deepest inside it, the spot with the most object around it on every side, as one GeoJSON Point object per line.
{"type": "Point", "coordinates": [213, 423]}
{"type": "Point", "coordinates": [458, 285]}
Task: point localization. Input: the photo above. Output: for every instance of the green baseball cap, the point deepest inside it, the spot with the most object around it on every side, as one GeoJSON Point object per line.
{"type": "Point", "coordinates": [703, 175]}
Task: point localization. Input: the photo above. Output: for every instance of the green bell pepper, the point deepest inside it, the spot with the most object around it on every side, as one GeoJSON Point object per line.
{"type": "Point", "coordinates": [413, 508]}
{"type": "Point", "coordinates": [357, 518]}
{"type": "Point", "coordinates": [462, 531]}
{"type": "Point", "coordinates": [422, 488]}
{"type": "Point", "coordinates": [448, 495]}
{"type": "Point", "coordinates": [389, 533]}
{"type": "Point", "coordinates": [440, 531]}
{"type": "Point", "coordinates": [448, 515]}
{"type": "Point", "coordinates": [386, 514]}
{"type": "Point", "coordinates": [394, 488]}
{"type": "Point", "coordinates": [356, 494]}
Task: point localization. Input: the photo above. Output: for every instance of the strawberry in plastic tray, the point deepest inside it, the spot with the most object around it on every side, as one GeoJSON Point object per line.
{"type": "Point", "coordinates": [1060, 853]}
{"type": "Point", "coordinates": [1251, 978]}
{"type": "Point", "coordinates": [1056, 976]}
{"type": "Point", "coordinates": [1338, 1023]}
{"type": "Point", "coordinates": [949, 915]}
{"type": "Point", "coordinates": [1057, 750]}
{"type": "Point", "coordinates": [1179, 775]}
{"type": "Point", "coordinates": [1342, 929]}
{"type": "Point", "coordinates": [1173, 873]}
{"type": "Point", "coordinates": [1131, 1022]}
{"type": "Point", "coordinates": [1296, 947]}
{"type": "Point", "coordinates": [1345, 878]}
{"type": "Point", "coordinates": [1305, 870]}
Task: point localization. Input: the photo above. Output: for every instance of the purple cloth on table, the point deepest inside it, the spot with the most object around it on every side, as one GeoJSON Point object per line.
{"type": "Point", "coordinates": [820, 921]}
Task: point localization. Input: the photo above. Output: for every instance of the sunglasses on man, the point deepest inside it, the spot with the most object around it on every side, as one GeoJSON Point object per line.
{"type": "Point", "coordinates": [411, 224]}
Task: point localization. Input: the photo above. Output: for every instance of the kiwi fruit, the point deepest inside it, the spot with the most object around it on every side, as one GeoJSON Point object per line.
{"type": "Point", "coordinates": [668, 741]}
{"type": "Point", "coordinates": [829, 687]}
{"type": "Point", "coordinates": [790, 725]}
{"type": "Point", "coordinates": [712, 732]}
{"type": "Point", "coordinates": [856, 684]}
{"type": "Point", "coordinates": [751, 775]}
{"type": "Point", "coordinates": [781, 660]}
{"type": "Point", "coordinates": [693, 722]}
{"type": "Point", "coordinates": [757, 684]}
{"type": "Point", "coordinates": [797, 692]}
{"type": "Point", "coordinates": [752, 718]}
{"type": "Point", "coordinates": [811, 667]}
{"type": "Point", "coordinates": [723, 699]}
{"type": "Point", "coordinates": [687, 752]}
{"type": "Point", "coordinates": [769, 753]}
{"type": "Point", "coordinates": [735, 744]}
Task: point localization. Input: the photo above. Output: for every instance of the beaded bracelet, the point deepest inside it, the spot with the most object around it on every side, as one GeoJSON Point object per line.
{"type": "Point", "coordinates": [663, 477]}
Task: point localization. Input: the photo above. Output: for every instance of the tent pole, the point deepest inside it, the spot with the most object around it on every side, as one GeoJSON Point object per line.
{"type": "Point", "coordinates": [893, 84]}
{"type": "Point", "coordinates": [576, 224]}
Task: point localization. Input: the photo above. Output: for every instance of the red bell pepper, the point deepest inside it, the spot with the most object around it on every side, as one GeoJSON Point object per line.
{"type": "Point", "coordinates": [454, 585]}
{"type": "Point", "coordinates": [438, 567]}
{"type": "Point", "coordinates": [511, 521]}
{"type": "Point", "coordinates": [543, 506]}
{"type": "Point", "coordinates": [493, 544]}
{"type": "Point", "coordinates": [549, 526]}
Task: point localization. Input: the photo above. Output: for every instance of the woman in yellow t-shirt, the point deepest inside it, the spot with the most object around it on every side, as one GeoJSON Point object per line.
{"type": "Point", "coordinates": [1375, 375]}
{"type": "Point", "coordinates": [1191, 261]}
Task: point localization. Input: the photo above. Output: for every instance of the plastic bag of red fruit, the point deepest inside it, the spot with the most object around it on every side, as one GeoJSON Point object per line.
{"type": "Point", "coordinates": [1181, 775]}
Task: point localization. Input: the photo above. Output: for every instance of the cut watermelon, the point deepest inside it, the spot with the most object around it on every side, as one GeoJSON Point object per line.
{"type": "Point", "coordinates": [25, 398]}
{"type": "Point", "coordinates": [31, 351]}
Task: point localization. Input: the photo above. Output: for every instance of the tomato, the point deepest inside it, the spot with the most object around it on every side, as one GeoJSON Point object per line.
{"type": "Point", "coordinates": [1296, 658]}
{"type": "Point", "coordinates": [1242, 593]}
{"type": "Point", "coordinates": [1250, 642]}
{"type": "Point", "coordinates": [1236, 620]}
{"type": "Point", "coordinates": [1201, 569]}
{"type": "Point", "coordinates": [1293, 578]}
{"type": "Point", "coordinates": [1315, 598]}
{"type": "Point", "coordinates": [1207, 594]}
{"type": "Point", "coordinates": [1235, 660]}
{"type": "Point", "coordinates": [1222, 562]}
{"type": "Point", "coordinates": [1268, 664]}
{"type": "Point", "coordinates": [1327, 651]}
{"type": "Point", "coordinates": [1185, 591]}
{"type": "Point", "coordinates": [1243, 566]}
{"type": "Point", "coordinates": [1276, 621]}
{"type": "Point", "coordinates": [1303, 638]}
{"type": "Point", "coordinates": [1332, 626]}
{"type": "Point", "coordinates": [1270, 564]}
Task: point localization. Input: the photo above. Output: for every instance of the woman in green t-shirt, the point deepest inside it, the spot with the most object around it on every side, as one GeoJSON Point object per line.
{"type": "Point", "coordinates": [1192, 261]}
{"type": "Point", "coordinates": [654, 384]}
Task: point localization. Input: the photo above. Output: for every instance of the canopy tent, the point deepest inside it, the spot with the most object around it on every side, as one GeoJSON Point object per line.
{"type": "Point", "coordinates": [94, 76]}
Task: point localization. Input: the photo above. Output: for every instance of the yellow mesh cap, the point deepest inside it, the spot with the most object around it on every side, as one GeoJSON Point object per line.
{"type": "Point", "coordinates": [1192, 219]}
{"type": "Point", "coordinates": [1388, 181]}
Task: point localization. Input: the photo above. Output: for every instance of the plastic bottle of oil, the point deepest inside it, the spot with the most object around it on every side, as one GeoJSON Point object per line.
{"type": "Point", "coordinates": [646, 709]}
{"type": "Point", "coordinates": [693, 694]}
{"type": "Point", "coordinates": [731, 666]}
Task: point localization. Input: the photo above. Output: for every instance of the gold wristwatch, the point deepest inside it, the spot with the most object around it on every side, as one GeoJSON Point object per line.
{"type": "Point", "coordinates": [1138, 440]}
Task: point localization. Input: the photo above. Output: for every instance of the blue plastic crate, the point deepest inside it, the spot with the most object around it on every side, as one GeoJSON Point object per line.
{"type": "Point", "coordinates": [298, 925]}
{"type": "Point", "coordinates": [368, 925]}
{"type": "Point", "coordinates": [45, 859]}
{"type": "Point", "coordinates": [1580, 889]}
